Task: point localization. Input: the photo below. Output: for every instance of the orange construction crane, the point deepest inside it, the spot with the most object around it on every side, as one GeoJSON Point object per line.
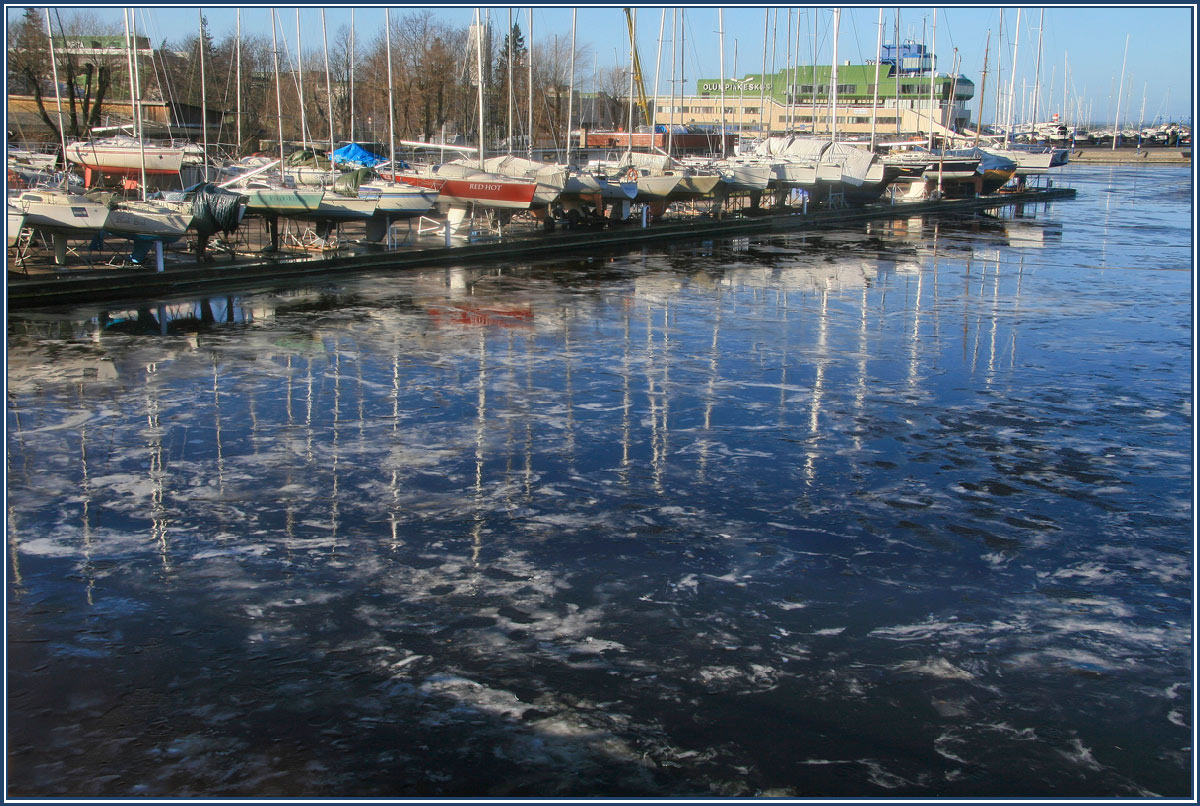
{"type": "Point", "coordinates": [637, 69]}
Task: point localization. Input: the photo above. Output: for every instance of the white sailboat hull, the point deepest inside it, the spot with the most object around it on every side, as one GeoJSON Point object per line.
{"type": "Point", "coordinates": [745, 177]}
{"type": "Point", "coordinates": [126, 159]}
{"type": "Point", "coordinates": [399, 201]}
{"type": "Point", "coordinates": [16, 221]}
{"type": "Point", "coordinates": [64, 213]}
{"type": "Point", "coordinates": [149, 220]}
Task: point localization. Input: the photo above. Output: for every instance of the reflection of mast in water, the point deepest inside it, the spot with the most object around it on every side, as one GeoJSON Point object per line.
{"type": "Point", "coordinates": [783, 364]}
{"type": "Point", "coordinates": [860, 391]}
{"type": "Point", "coordinates": [570, 394]}
{"type": "Point", "coordinates": [289, 515]}
{"type": "Point", "coordinates": [154, 431]}
{"type": "Point", "coordinates": [659, 397]}
{"type": "Point", "coordinates": [308, 411]}
{"type": "Point", "coordinates": [626, 398]}
{"type": "Point", "coordinates": [1016, 308]}
{"type": "Point", "coordinates": [530, 343]}
{"type": "Point", "coordinates": [394, 510]}
{"type": "Point", "coordinates": [288, 400]}
{"type": "Point", "coordinates": [979, 317]}
{"type": "Point", "coordinates": [11, 522]}
{"type": "Point", "coordinates": [710, 390]}
{"type": "Point", "coordinates": [914, 345]}
{"type": "Point", "coordinates": [337, 411]}
{"type": "Point", "coordinates": [814, 413]}
{"type": "Point", "coordinates": [480, 431]}
{"type": "Point", "coordinates": [966, 298]}
{"type": "Point", "coordinates": [86, 518]}
{"type": "Point", "coordinates": [216, 388]}
{"type": "Point", "coordinates": [358, 374]}
{"type": "Point", "coordinates": [511, 404]}
{"type": "Point", "coordinates": [991, 370]}
{"type": "Point", "coordinates": [14, 561]}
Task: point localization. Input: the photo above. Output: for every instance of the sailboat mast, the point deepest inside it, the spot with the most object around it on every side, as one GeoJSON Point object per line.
{"type": "Point", "coordinates": [509, 59]}
{"type": "Point", "coordinates": [1012, 81]}
{"type": "Point", "coordinates": [762, 83]}
{"type": "Point", "coordinates": [948, 118]}
{"type": "Point", "coordinates": [833, 78]}
{"type": "Point", "coordinates": [932, 76]}
{"type": "Point", "coordinates": [353, 59]}
{"type": "Point", "coordinates": [1066, 98]}
{"type": "Point", "coordinates": [479, 79]}
{"type": "Point", "coordinates": [530, 145]}
{"type": "Point", "coordinates": [128, 58]}
{"type": "Point", "coordinates": [328, 85]}
{"type": "Point", "coordinates": [300, 85]}
{"type": "Point", "coordinates": [238, 150]}
{"type": "Point", "coordinates": [774, 64]}
{"type": "Point", "coordinates": [875, 96]}
{"type": "Point", "coordinates": [997, 119]}
{"type": "Point", "coordinates": [632, 49]}
{"type": "Point", "coordinates": [816, 22]}
{"type": "Point", "coordinates": [983, 86]}
{"type": "Point", "coordinates": [741, 107]}
{"type": "Point", "coordinates": [137, 90]}
{"type": "Point", "coordinates": [62, 134]}
{"type": "Point", "coordinates": [387, 31]}
{"type": "Point", "coordinates": [787, 74]}
{"type": "Point", "coordinates": [721, 36]}
{"type": "Point", "coordinates": [278, 98]}
{"type": "Point", "coordinates": [1037, 73]}
{"type": "Point", "coordinates": [1120, 92]}
{"type": "Point", "coordinates": [896, 69]}
{"type": "Point", "coordinates": [674, 41]}
{"type": "Point", "coordinates": [662, 23]}
{"type": "Point", "coordinates": [203, 95]}
{"type": "Point", "coordinates": [570, 87]}
{"type": "Point", "coordinates": [682, 52]}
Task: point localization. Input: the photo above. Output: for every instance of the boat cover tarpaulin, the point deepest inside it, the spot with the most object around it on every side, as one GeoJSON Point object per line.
{"type": "Point", "coordinates": [354, 154]}
{"type": "Point", "coordinates": [347, 184]}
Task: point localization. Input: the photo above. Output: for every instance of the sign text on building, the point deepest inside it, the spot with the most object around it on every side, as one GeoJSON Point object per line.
{"type": "Point", "coordinates": [715, 86]}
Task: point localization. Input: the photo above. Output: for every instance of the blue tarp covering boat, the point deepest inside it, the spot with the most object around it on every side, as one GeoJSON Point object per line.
{"type": "Point", "coordinates": [354, 154]}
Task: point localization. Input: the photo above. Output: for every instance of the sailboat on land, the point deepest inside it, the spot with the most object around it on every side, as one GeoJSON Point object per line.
{"type": "Point", "coordinates": [462, 187]}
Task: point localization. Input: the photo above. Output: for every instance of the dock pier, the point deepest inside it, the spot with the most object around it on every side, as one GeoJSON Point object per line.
{"type": "Point", "coordinates": [54, 287]}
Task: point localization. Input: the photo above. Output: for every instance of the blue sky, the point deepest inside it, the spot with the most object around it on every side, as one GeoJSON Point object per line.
{"type": "Point", "coordinates": [1089, 43]}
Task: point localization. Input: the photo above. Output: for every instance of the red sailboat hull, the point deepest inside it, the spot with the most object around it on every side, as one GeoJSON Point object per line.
{"type": "Point", "coordinates": [503, 193]}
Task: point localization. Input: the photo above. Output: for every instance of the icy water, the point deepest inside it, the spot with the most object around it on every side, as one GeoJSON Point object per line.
{"type": "Point", "coordinates": [897, 510]}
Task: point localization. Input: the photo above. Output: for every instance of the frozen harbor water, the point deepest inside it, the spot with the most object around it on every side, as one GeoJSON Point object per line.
{"type": "Point", "coordinates": [897, 510]}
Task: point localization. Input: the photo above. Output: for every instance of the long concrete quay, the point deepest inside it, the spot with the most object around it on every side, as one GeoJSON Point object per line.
{"type": "Point", "coordinates": [1099, 155]}
{"type": "Point", "coordinates": [138, 283]}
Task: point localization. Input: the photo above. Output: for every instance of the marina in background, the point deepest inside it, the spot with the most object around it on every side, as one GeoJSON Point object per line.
{"type": "Point", "coordinates": [816, 138]}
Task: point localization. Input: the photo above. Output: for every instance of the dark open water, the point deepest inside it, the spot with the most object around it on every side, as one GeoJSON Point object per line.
{"type": "Point", "coordinates": [895, 510]}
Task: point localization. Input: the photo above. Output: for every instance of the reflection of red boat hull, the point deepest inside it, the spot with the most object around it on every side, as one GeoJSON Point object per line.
{"type": "Point", "coordinates": [483, 316]}
{"type": "Point", "coordinates": [490, 192]}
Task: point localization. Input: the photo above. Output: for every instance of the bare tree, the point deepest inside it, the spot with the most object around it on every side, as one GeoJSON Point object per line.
{"type": "Point", "coordinates": [87, 80]}
{"type": "Point", "coordinates": [551, 77]}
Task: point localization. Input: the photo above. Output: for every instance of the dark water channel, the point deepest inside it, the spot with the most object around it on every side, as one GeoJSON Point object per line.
{"type": "Point", "coordinates": [897, 510]}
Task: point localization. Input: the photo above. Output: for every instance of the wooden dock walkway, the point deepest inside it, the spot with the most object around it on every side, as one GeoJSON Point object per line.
{"type": "Point", "coordinates": [46, 286]}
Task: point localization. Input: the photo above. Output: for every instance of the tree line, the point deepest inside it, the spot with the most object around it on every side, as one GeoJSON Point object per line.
{"type": "Point", "coordinates": [434, 94]}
